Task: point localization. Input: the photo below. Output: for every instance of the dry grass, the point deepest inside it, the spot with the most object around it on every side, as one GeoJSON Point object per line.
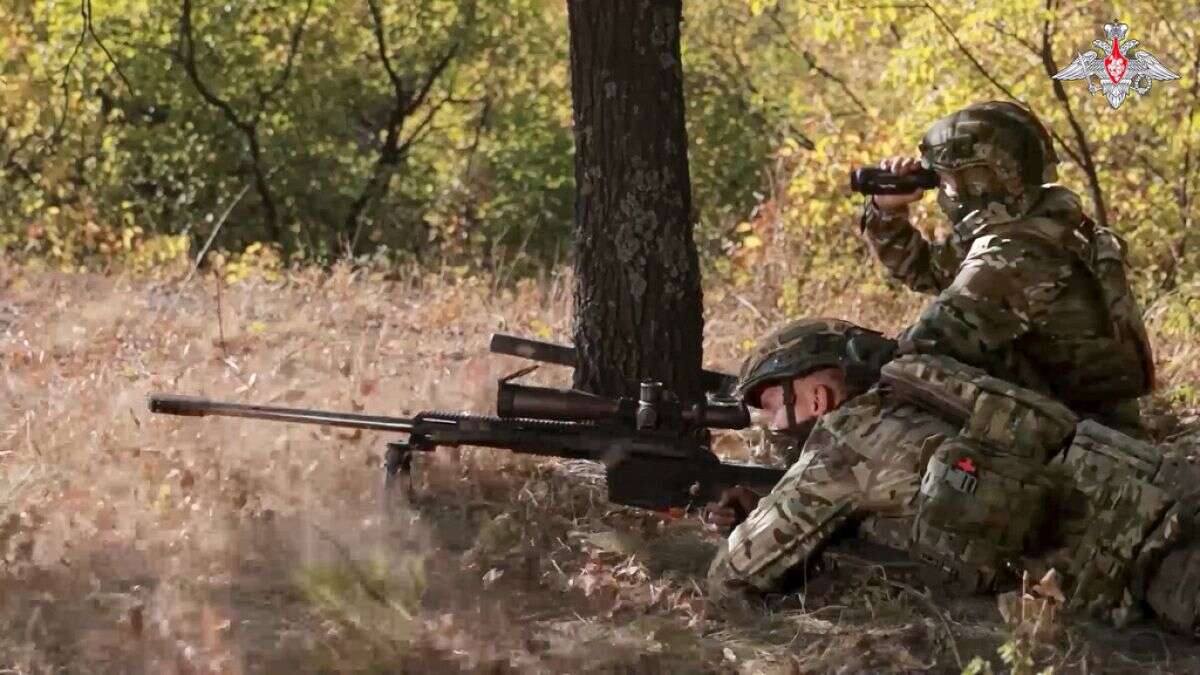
{"type": "Point", "coordinates": [139, 543]}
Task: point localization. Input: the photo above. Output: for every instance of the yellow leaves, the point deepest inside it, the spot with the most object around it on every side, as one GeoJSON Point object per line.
{"type": "Point", "coordinates": [1034, 611]}
{"type": "Point", "coordinates": [257, 327]}
{"type": "Point", "coordinates": [752, 242]}
{"type": "Point", "coordinates": [162, 500]}
{"type": "Point", "coordinates": [257, 259]}
{"type": "Point", "coordinates": [757, 7]}
{"type": "Point", "coordinates": [540, 328]}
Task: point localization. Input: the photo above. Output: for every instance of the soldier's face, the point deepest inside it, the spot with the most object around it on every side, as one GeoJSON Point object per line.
{"type": "Point", "coordinates": [814, 397]}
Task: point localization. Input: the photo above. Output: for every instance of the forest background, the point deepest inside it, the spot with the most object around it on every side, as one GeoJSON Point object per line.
{"type": "Point", "coordinates": [372, 185]}
{"type": "Point", "coordinates": [134, 131]}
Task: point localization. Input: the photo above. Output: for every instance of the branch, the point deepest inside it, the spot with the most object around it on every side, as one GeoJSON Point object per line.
{"type": "Point", "coordinates": [480, 125]}
{"type": "Point", "coordinates": [404, 103]}
{"type": "Point", "coordinates": [1149, 165]}
{"type": "Point", "coordinates": [91, 29]}
{"type": "Point", "coordinates": [56, 134]}
{"type": "Point", "coordinates": [744, 76]}
{"type": "Point", "coordinates": [10, 162]}
{"type": "Point", "coordinates": [1085, 150]}
{"type": "Point", "coordinates": [416, 135]}
{"type": "Point", "coordinates": [213, 235]}
{"type": "Point", "coordinates": [434, 74]}
{"type": "Point", "coordinates": [812, 63]}
{"type": "Point", "coordinates": [967, 53]}
{"type": "Point", "coordinates": [249, 129]}
{"type": "Point", "coordinates": [1170, 26]}
{"type": "Point", "coordinates": [999, 28]}
{"type": "Point", "coordinates": [187, 56]}
{"type": "Point", "coordinates": [988, 76]}
{"type": "Point", "coordinates": [1183, 195]}
{"type": "Point", "coordinates": [381, 43]}
{"type": "Point", "coordinates": [264, 97]}
{"type": "Point", "coordinates": [1185, 178]}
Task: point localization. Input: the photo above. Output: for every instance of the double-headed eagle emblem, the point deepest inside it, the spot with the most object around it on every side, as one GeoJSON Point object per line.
{"type": "Point", "coordinates": [1114, 69]}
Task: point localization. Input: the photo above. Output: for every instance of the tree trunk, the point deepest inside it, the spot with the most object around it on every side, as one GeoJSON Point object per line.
{"type": "Point", "coordinates": [638, 305]}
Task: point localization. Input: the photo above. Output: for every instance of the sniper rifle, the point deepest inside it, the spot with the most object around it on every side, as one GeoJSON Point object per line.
{"type": "Point", "coordinates": [656, 451]}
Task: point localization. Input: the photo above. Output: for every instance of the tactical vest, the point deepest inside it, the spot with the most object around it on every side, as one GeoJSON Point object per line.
{"type": "Point", "coordinates": [984, 492]}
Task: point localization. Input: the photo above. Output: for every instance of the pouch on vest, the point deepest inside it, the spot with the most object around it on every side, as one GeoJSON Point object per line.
{"type": "Point", "coordinates": [978, 510]}
{"type": "Point", "coordinates": [1106, 262]}
{"type": "Point", "coordinates": [1113, 505]}
{"type": "Point", "coordinates": [984, 493]}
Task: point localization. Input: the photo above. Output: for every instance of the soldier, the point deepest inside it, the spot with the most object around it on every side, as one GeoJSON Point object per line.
{"type": "Point", "coordinates": [1028, 287]}
{"type": "Point", "coordinates": [962, 470]}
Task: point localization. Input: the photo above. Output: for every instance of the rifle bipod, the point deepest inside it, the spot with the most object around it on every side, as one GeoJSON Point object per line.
{"type": "Point", "coordinates": [397, 462]}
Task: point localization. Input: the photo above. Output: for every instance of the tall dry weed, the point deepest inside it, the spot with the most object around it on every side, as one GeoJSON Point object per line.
{"type": "Point", "coordinates": [140, 543]}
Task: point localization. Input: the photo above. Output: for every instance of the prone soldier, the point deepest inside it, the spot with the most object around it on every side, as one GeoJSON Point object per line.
{"type": "Point", "coordinates": [973, 475]}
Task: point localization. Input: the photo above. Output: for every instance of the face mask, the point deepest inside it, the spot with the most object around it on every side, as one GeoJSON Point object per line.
{"type": "Point", "coordinates": [977, 190]}
{"type": "Point", "coordinates": [956, 207]}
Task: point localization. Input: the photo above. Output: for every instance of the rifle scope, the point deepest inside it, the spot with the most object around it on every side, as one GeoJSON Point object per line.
{"type": "Point", "coordinates": [525, 401]}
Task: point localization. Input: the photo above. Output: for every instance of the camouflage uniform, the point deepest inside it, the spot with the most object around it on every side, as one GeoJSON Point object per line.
{"type": "Point", "coordinates": [979, 478]}
{"type": "Point", "coordinates": [865, 461]}
{"type": "Point", "coordinates": [1029, 289]}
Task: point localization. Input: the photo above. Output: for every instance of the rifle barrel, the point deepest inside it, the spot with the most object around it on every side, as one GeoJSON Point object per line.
{"type": "Point", "coordinates": [191, 406]}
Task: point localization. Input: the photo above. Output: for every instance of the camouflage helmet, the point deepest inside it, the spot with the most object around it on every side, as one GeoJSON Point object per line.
{"type": "Point", "coordinates": [805, 345]}
{"type": "Point", "coordinates": [998, 134]}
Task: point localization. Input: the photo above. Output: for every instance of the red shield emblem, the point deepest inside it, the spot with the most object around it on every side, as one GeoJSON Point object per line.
{"type": "Point", "coordinates": [1115, 64]}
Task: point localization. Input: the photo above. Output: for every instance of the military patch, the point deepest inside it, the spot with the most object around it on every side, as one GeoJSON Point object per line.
{"type": "Point", "coordinates": [963, 476]}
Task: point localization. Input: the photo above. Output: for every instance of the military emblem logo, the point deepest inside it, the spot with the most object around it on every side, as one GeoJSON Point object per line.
{"type": "Point", "coordinates": [1116, 67]}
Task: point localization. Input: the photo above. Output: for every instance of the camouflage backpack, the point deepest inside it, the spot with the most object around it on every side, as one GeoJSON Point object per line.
{"type": "Point", "coordinates": [1128, 520]}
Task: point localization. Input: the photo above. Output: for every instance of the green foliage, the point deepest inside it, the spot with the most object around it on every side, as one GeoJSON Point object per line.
{"type": "Point", "coordinates": [133, 124]}
{"type": "Point", "coordinates": [124, 125]}
{"type": "Point", "coordinates": [1017, 657]}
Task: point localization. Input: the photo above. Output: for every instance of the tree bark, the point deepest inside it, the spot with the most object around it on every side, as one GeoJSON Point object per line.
{"type": "Point", "coordinates": [638, 305]}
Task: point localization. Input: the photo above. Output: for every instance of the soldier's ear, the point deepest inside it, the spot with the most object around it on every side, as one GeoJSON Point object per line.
{"type": "Point", "coordinates": [820, 400]}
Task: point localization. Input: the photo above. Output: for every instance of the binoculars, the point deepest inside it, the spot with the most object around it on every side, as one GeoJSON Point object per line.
{"type": "Point", "coordinates": [876, 181]}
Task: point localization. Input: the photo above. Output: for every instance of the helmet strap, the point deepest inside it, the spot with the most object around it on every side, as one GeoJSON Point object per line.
{"type": "Point", "coordinates": [789, 401]}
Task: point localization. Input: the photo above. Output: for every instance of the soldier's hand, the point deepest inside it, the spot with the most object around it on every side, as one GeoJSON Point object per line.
{"type": "Point", "coordinates": [735, 504]}
{"type": "Point", "coordinates": [898, 166]}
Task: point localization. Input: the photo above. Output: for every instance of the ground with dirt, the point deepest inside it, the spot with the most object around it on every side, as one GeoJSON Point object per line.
{"type": "Point", "coordinates": [134, 542]}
